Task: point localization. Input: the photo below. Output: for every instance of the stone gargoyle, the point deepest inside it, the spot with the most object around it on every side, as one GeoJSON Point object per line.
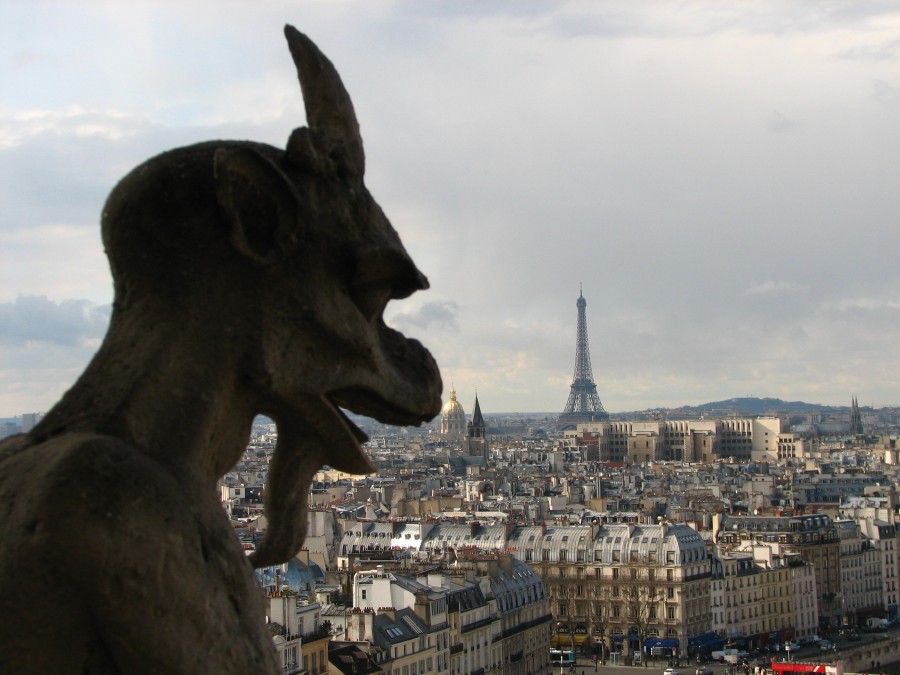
{"type": "Point", "coordinates": [248, 280]}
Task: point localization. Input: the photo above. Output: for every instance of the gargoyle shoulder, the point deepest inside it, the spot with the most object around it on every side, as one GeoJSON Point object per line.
{"type": "Point", "coordinates": [142, 565]}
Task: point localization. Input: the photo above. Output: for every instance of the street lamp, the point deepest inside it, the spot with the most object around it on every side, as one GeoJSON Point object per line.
{"type": "Point", "coordinates": [559, 629]}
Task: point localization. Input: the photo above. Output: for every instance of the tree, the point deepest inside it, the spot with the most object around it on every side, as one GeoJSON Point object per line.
{"type": "Point", "coordinates": [600, 613]}
{"type": "Point", "coordinates": [642, 594]}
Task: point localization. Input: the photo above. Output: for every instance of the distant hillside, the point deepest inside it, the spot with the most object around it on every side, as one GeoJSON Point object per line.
{"type": "Point", "coordinates": [760, 406]}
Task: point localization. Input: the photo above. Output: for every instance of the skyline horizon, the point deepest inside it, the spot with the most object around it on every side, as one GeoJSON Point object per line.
{"type": "Point", "coordinates": [614, 412]}
{"type": "Point", "coordinates": [719, 178]}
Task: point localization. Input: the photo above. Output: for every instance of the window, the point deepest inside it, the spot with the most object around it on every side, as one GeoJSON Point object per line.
{"type": "Point", "coordinates": [363, 594]}
{"type": "Point", "coordinates": [670, 612]}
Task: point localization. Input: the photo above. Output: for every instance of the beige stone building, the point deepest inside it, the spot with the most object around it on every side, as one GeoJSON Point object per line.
{"type": "Point", "coordinates": [814, 537]}
{"type": "Point", "coordinates": [757, 439]}
{"type": "Point", "coordinates": [760, 597]}
{"type": "Point", "coordinates": [621, 587]}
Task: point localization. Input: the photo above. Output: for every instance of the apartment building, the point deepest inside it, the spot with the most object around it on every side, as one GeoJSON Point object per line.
{"type": "Point", "coordinates": [413, 639]}
{"type": "Point", "coordinates": [861, 582]}
{"type": "Point", "coordinates": [482, 614]}
{"type": "Point", "coordinates": [621, 587]}
{"type": "Point", "coordinates": [876, 515]}
{"type": "Point", "coordinates": [760, 596]}
{"type": "Point", "coordinates": [814, 537]}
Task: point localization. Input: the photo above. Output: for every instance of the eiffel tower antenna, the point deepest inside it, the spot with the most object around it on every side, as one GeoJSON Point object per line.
{"type": "Point", "coordinates": [584, 404]}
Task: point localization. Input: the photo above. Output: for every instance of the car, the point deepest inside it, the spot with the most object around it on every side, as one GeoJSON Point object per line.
{"type": "Point", "coordinates": [671, 671]}
{"type": "Point", "coordinates": [853, 636]}
{"type": "Point", "coordinates": [826, 645]}
{"type": "Point", "coordinates": [704, 670]}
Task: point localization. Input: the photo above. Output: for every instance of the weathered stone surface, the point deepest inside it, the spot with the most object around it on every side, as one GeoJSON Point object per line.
{"type": "Point", "coordinates": [248, 280]}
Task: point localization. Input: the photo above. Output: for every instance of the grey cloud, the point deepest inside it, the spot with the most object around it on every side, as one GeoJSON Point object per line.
{"type": "Point", "coordinates": [38, 319]}
{"type": "Point", "coordinates": [886, 92]}
{"type": "Point", "coordinates": [885, 51]}
{"type": "Point", "coordinates": [641, 167]}
{"type": "Point", "coordinates": [439, 314]}
{"type": "Point", "coordinates": [779, 123]}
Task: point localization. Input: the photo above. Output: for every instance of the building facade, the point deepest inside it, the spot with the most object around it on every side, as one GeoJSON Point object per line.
{"type": "Point", "coordinates": [757, 439]}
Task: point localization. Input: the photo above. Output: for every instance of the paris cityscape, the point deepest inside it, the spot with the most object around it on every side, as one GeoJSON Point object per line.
{"type": "Point", "coordinates": [674, 538]}
{"type": "Point", "coordinates": [520, 543]}
{"type": "Point", "coordinates": [661, 246]}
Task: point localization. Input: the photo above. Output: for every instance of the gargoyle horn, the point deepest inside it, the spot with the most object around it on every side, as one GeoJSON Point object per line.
{"type": "Point", "coordinates": [329, 111]}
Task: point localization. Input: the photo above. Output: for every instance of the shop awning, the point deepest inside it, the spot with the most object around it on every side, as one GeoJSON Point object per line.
{"type": "Point", "coordinates": [665, 643]}
{"type": "Point", "coordinates": [705, 641]}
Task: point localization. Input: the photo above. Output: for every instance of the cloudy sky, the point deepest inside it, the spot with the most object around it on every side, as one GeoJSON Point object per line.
{"type": "Point", "coordinates": [722, 179]}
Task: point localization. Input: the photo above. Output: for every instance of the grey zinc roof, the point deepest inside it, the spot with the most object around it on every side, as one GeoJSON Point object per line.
{"type": "Point", "coordinates": [651, 543]}
{"type": "Point", "coordinates": [407, 535]}
{"type": "Point", "coordinates": [456, 535]}
{"type": "Point", "coordinates": [369, 536]}
{"type": "Point", "coordinates": [518, 589]}
{"type": "Point", "coordinates": [387, 632]}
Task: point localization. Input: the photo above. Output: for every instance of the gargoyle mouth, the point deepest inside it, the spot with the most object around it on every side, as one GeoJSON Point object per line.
{"type": "Point", "coordinates": [401, 386]}
{"type": "Point", "coordinates": [323, 434]}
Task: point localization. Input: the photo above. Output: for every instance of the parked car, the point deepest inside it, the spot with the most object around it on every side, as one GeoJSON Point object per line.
{"type": "Point", "coordinates": [704, 670]}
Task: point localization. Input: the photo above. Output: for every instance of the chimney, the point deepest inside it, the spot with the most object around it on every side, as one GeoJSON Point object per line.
{"type": "Point", "coordinates": [422, 606]}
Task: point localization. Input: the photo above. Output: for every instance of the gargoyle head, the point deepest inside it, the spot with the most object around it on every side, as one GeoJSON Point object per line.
{"type": "Point", "coordinates": [295, 235]}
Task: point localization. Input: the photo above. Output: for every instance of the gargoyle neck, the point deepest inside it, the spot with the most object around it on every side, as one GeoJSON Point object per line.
{"type": "Point", "coordinates": [152, 387]}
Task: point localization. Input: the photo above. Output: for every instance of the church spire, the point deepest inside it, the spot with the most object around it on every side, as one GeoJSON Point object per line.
{"type": "Point", "coordinates": [476, 432]}
{"type": "Point", "coordinates": [477, 417]}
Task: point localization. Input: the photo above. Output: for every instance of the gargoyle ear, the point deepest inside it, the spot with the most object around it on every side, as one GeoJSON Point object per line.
{"type": "Point", "coordinates": [258, 202]}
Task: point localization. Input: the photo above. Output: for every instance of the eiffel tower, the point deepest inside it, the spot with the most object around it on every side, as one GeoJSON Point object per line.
{"type": "Point", "coordinates": [584, 404]}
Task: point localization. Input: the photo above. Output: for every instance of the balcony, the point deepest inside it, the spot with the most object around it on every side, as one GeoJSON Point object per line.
{"type": "Point", "coordinates": [318, 634]}
{"type": "Point", "coordinates": [477, 624]}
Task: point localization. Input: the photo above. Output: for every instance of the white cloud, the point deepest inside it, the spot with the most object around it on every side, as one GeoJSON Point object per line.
{"type": "Point", "coordinates": [17, 126]}
{"type": "Point", "coordinates": [37, 319]}
{"type": "Point", "coordinates": [771, 286]}
{"type": "Point", "coordinates": [865, 305]}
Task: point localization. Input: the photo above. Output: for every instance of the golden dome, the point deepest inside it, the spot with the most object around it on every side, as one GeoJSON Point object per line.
{"type": "Point", "coordinates": [452, 406]}
{"type": "Point", "coordinates": [453, 417]}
